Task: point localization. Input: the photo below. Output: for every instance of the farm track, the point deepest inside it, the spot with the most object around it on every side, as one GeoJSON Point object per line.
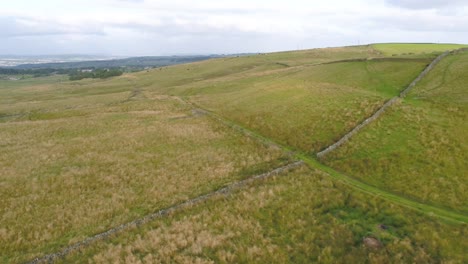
{"type": "Point", "coordinates": [446, 215]}
{"type": "Point", "coordinates": [444, 77]}
{"type": "Point", "coordinates": [50, 258]}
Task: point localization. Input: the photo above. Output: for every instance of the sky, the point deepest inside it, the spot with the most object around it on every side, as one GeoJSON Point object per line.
{"type": "Point", "coordinates": [155, 27]}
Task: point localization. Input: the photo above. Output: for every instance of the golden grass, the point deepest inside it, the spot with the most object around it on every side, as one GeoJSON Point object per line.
{"type": "Point", "coordinates": [315, 104]}
{"type": "Point", "coordinates": [81, 157]}
{"type": "Point", "coordinates": [65, 177]}
{"type": "Point", "coordinates": [301, 217]}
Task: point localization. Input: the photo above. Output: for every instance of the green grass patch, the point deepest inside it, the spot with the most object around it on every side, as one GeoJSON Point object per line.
{"type": "Point", "coordinates": [389, 49]}
{"type": "Point", "coordinates": [419, 147]}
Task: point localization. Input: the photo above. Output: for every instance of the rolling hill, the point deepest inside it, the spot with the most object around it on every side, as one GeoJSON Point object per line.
{"type": "Point", "coordinates": [174, 164]}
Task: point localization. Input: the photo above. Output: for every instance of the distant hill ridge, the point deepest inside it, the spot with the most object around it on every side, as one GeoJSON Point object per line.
{"type": "Point", "coordinates": [133, 62]}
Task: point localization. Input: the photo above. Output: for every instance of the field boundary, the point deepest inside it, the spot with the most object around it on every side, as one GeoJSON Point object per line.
{"type": "Point", "coordinates": [50, 258]}
{"type": "Point", "coordinates": [382, 109]}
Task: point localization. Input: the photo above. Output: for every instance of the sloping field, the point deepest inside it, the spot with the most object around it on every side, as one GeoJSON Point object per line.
{"type": "Point", "coordinates": [419, 148]}
{"type": "Point", "coordinates": [307, 106]}
{"type": "Point", "coordinates": [70, 172]}
{"type": "Point", "coordinates": [80, 158]}
{"type": "Point", "coordinates": [392, 49]}
{"type": "Point", "coordinates": [167, 79]}
{"type": "Point", "coordinates": [300, 217]}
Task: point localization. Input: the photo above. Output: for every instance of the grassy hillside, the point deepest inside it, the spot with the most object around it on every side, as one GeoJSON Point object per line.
{"type": "Point", "coordinates": [319, 101]}
{"type": "Point", "coordinates": [81, 157]}
{"type": "Point", "coordinates": [393, 49]}
{"type": "Point", "coordinates": [89, 162]}
{"type": "Point", "coordinates": [306, 106]}
{"type": "Point", "coordinates": [301, 217]}
{"type": "Point", "coordinates": [419, 148]}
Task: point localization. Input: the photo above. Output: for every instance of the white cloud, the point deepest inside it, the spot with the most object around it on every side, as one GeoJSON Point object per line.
{"type": "Point", "coordinates": [427, 4]}
{"type": "Point", "coordinates": [137, 27]}
{"type": "Point", "coordinates": [29, 26]}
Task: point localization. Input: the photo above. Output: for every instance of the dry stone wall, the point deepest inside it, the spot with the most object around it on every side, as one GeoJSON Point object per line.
{"type": "Point", "coordinates": [385, 106]}
{"type": "Point", "coordinates": [50, 258]}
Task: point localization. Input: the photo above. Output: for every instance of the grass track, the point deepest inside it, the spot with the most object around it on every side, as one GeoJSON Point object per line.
{"type": "Point", "coordinates": [418, 148]}
{"type": "Point", "coordinates": [446, 215]}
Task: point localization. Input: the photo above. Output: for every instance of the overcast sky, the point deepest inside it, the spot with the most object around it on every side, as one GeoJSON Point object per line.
{"type": "Point", "coordinates": [155, 27]}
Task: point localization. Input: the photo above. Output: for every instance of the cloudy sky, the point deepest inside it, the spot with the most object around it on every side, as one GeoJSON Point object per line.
{"type": "Point", "coordinates": [163, 27]}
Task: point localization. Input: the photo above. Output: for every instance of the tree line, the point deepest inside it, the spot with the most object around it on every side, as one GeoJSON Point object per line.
{"type": "Point", "coordinates": [99, 73]}
{"type": "Point", "coordinates": [74, 74]}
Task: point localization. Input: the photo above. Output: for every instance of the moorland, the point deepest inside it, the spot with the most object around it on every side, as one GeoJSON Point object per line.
{"type": "Point", "coordinates": [82, 157]}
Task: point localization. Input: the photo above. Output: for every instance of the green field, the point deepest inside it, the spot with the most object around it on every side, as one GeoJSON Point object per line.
{"type": "Point", "coordinates": [307, 107]}
{"type": "Point", "coordinates": [419, 148]}
{"type": "Point", "coordinates": [81, 157]}
{"type": "Point", "coordinates": [414, 48]}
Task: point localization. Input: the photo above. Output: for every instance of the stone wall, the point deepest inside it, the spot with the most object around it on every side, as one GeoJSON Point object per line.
{"type": "Point", "coordinates": [50, 258]}
{"type": "Point", "coordinates": [384, 107]}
